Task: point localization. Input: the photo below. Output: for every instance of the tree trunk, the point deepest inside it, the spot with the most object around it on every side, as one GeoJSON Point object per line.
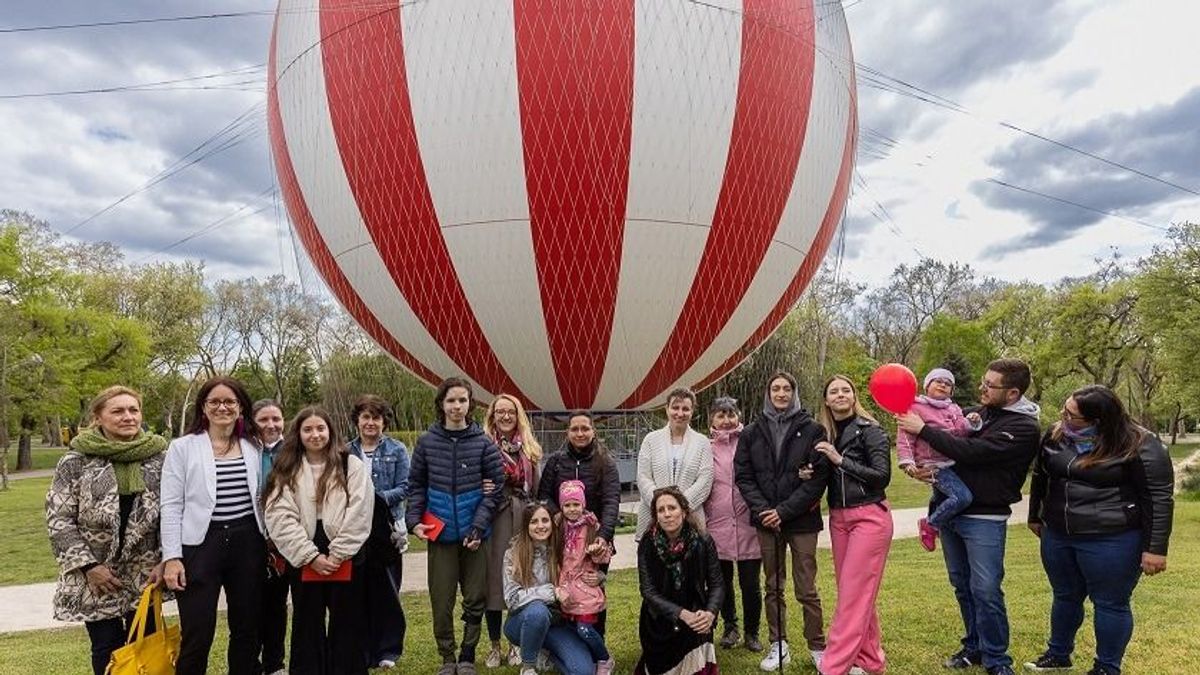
{"type": "Point", "coordinates": [1175, 422]}
{"type": "Point", "coordinates": [25, 451]}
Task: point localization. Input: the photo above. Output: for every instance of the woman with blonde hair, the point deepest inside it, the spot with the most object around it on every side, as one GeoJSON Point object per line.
{"type": "Point", "coordinates": [860, 527]}
{"type": "Point", "coordinates": [520, 453]}
{"type": "Point", "coordinates": [102, 515]}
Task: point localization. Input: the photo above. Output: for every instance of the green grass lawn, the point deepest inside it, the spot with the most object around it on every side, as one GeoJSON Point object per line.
{"type": "Point", "coordinates": [918, 613]}
{"type": "Point", "coordinates": [1183, 449]}
{"type": "Point", "coordinates": [27, 556]}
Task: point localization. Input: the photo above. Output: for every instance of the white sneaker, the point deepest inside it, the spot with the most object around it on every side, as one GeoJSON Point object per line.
{"type": "Point", "coordinates": [777, 652]}
{"type": "Point", "coordinates": [493, 657]}
{"type": "Point", "coordinates": [817, 656]}
{"type": "Point", "coordinates": [857, 671]}
{"type": "Point", "coordinates": [386, 663]}
{"type": "Point", "coordinates": [528, 671]}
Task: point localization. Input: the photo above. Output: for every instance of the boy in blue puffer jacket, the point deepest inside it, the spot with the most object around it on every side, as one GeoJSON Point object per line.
{"type": "Point", "coordinates": [449, 465]}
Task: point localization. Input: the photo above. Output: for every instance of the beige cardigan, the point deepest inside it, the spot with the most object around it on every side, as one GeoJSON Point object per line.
{"type": "Point", "coordinates": [292, 518]}
{"type": "Point", "coordinates": [694, 477]}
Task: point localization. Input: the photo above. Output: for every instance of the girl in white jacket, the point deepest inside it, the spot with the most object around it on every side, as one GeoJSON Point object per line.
{"type": "Point", "coordinates": [319, 502]}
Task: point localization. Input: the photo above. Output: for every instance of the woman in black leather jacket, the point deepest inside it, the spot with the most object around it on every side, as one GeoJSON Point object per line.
{"type": "Point", "coordinates": [860, 527]}
{"type": "Point", "coordinates": [1101, 501]}
{"type": "Point", "coordinates": [682, 589]}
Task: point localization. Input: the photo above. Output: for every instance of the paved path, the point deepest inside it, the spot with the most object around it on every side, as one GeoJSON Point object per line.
{"type": "Point", "coordinates": [36, 473]}
{"type": "Point", "coordinates": [29, 607]}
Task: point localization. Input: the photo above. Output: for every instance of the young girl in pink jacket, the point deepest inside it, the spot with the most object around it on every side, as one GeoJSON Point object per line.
{"type": "Point", "coordinates": [939, 412]}
{"type": "Point", "coordinates": [580, 591]}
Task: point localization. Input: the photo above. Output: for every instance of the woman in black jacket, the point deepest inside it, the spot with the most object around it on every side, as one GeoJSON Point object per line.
{"type": "Point", "coordinates": [1101, 501]}
{"type": "Point", "coordinates": [680, 580]}
{"type": "Point", "coordinates": [860, 527]}
{"type": "Point", "coordinates": [782, 477]}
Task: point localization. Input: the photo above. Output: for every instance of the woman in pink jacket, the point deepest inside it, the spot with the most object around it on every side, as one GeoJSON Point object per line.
{"type": "Point", "coordinates": [728, 521]}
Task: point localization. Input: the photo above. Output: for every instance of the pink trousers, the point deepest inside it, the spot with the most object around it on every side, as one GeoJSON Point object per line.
{"type": "Point", "coordinates": [861, 537]}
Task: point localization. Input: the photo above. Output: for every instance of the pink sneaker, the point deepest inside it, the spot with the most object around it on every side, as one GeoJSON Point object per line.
{"type": "Point", "coordinates": [929, 534]}
{"type": "Point", "coordinates": [606, 666]}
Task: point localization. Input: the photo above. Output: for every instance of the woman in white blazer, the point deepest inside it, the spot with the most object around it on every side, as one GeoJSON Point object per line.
{"type": "Point", "coordinates": [212, 528]}
{"type": "Point", "coordinates": [319, 506]}
{"type": "Point", "coordinates": [674, 455]}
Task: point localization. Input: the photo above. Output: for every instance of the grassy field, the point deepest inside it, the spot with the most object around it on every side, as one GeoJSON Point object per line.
{"type": "Point", "coordinates": [918, 612]}
{"type": "Point", "coordinates": [27, 557]}
{"type": "Point", "coordinates": [1183, 449]}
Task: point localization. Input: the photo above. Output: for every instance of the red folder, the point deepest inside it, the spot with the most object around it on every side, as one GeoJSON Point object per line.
{"type": "Point", "coordinates": [342, 573]}
{"type": "Point", "coordinates": [436, 525]}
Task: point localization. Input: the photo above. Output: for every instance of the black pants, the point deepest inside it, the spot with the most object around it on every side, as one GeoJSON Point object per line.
{"type": "Point", "coordinates": [274, 614]}
{"type": "Point", "coordinates": [107, 636]}
{"type": "Point", "coordinates": [751, 588]}
{"type": "Point", "coordinates": [385, 617]}
{"type": "Point", "coordinates": [231, 557]}
{"type": "Point", "coordinates": [341, 646]}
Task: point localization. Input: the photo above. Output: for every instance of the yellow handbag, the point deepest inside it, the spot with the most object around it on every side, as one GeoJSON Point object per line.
{"type": "Point", "coordinates": [152, 654]}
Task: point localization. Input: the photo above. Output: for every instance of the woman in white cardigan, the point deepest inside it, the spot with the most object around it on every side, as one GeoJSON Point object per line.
{"type": "Point", "coordinates": [674, 455]}
{"type": "Point", "coordinates": [319, 503]}
{"type": "Point", "coordinates": [211, 528]}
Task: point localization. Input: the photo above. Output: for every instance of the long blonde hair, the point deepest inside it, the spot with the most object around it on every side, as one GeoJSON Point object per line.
{"type": "Point", "coordinates": [826, 415]}
{"type": "Point", "coordinates": [529, 443]}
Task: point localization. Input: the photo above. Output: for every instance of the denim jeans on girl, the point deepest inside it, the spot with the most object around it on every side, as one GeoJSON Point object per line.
{"type": "Point", "coordinates": [1105, 568]}
{"type": "Point", "coordinates": [954, 497]}
{"type": "Point", "coordinates": [530, 628]}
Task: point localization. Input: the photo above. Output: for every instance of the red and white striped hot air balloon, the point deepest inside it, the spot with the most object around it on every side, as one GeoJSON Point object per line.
{"type": "Point", "coordinates": [585, 203]}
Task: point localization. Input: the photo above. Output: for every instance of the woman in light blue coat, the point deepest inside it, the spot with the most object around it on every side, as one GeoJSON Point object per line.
{"type": "Point", "coordinates": [387, 462]}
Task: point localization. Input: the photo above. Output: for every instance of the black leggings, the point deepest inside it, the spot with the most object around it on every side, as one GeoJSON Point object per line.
{"type": "Point", "coordinates": [751, 587]}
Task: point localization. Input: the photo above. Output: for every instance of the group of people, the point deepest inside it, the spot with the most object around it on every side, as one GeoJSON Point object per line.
{"type": "Point", "coordinates": [243, 505]}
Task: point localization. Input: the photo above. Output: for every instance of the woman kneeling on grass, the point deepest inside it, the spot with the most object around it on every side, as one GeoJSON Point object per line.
{"type": "Point", "coordinates": [319, 507]}
{"type": "Point", "coordinates": [531, 566]}
{"type": "Point", "coordinates": [679, 576]}
{"type": "Point", "coordinates": [102, 514]}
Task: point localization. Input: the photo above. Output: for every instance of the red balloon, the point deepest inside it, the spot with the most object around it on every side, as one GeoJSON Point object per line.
{"type": "Point", "coordinates": [893, 386]}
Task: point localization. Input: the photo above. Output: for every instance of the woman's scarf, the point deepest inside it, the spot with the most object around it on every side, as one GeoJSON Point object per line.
{"type": "Point", "coordinates": [126, 456]}
{"type": "Point", "coordinates": [672, 553]}
{"type": "Point", "coordinates": [571, 530]}
{"type": "Point", "coordinates": [513, 461]}
{"type": "Point", "coordinates": [1083, 440]}
{"type": "Point", "coordinates": [935, 402]}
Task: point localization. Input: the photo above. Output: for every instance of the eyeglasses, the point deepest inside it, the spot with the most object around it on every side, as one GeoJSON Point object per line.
{"type": "Point", "coordinates": [988, 385]}
{"type": "Point", "coordinates": [505, 413]}
{"type": "Point", "coordinates": [1071, 417]}
{"type": "Point", "coordinates": [942, 381]}
{"type": "Point", "coordinates": [217, 403]}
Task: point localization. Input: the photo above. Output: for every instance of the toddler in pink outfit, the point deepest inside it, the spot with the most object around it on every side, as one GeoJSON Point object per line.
{"type": "Point", "coordinates": [581, 601]}
{"type": "Point", "coordinates": [950, 495]}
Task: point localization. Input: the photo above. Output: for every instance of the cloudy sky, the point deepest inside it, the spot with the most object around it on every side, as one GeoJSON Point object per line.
{"type": "Point", "coordinates": [187, 167]}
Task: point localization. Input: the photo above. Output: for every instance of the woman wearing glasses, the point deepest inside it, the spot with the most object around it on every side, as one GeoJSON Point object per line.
{"type": "Point", "coordinates": [520, 453]}
{"type": "Point", "coordinates": [1101, 502]}
{"type": "Point", "coordinates": [212, 527]}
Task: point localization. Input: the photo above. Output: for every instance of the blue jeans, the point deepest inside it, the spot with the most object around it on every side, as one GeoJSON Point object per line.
{"type": "Point", "coordinates": [530, 628]}
{"type": "Point", "coordinates": [956, 496]}
{"type": "Point", "coordinates": [974, 553]}
{"type": "Point", "coordinates": [1105, 568]}
{"type": "Point", "coordinates": [593, 639]}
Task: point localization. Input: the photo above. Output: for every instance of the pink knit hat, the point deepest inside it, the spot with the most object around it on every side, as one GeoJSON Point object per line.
{"type": "Point", "coordinates": [571, 491]}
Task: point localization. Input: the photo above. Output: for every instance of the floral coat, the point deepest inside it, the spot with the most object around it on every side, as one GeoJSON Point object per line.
{"type": "Point", "coordinates": [83, 516]}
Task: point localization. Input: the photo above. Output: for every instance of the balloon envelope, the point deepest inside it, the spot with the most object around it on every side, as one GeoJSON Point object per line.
{"type": "Point", "coordinates": [893, 386]}
{"type": "Point", "coordinates": [583, 204]}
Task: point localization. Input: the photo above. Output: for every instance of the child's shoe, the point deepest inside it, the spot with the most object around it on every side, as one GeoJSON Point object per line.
{"type": "Point", "coordinates": [929, 534]}
{"type": "Point", "coordinates": [606, 666]}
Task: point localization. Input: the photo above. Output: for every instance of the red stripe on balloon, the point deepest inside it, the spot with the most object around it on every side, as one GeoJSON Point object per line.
{"type": "Point", "coordinates": [575, 86]}
{"type": "Point", "coordinates": [812, 261]}
{"type": "Point", "coordinates": [367, 87]}
{"type": "Point", "coordinates": [770, 119]}
{"type": "Point", "coordinates": [314, 243]}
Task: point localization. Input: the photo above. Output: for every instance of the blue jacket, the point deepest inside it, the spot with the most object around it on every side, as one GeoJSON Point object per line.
{"type": "Point", "coordinates": [389, 472]}
{"type": "Point", "coordinates": [267, 461]}
{"type": "Point", "coordinates": [447, 480]}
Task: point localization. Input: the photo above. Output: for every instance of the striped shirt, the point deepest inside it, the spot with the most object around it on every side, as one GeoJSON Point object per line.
{"type": "Point", "coordinates": [233, 494]}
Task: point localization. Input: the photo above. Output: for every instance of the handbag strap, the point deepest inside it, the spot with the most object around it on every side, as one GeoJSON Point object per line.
{"type": "Point", "coordinates": [137, 629]}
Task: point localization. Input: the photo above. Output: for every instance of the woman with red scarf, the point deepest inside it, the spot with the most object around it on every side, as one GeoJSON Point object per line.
{"type": "Point", "coordinates": [520, 453]}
